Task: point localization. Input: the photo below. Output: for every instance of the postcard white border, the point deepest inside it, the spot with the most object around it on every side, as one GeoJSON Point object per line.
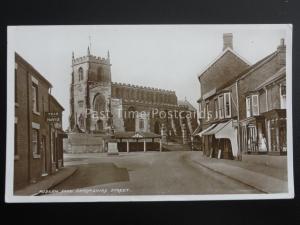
{"type": "Point", "coordinates": [10, 198]}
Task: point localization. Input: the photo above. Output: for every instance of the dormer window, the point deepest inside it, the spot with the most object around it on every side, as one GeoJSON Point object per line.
{"type": "Point", "coordinates": [80, 74]}
{"type": "Point", "coordinates": [252, 105]}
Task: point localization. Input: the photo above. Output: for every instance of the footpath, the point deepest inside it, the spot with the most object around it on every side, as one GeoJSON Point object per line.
{"type": "Point", "coordinates": [263, 177]}
{"type": "Point", "coordinates": [47, 182]}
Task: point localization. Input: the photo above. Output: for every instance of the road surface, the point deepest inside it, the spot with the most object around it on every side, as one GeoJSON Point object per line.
{"type": "Point", "coordinates": [139, 173]}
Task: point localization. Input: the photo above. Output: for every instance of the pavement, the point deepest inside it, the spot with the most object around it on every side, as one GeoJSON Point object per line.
{"type": "Point", "coordinates": [47, 182]}
{"type": "Point", "coordinates": [261, 177]}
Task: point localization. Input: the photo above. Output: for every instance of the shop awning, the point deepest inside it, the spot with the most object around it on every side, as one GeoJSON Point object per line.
{"type": "Point", "coordinates": [196, 131]}
{"type": "Point", "coordinates": [205, 130]}
{"type": "Point", "coordinates": [216, 129]}
{"type": "Point", "coordinates": [225, 130]}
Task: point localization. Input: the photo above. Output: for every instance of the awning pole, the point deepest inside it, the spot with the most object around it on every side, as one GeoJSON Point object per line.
{"type": "Point", "coordinates": [238, 120]}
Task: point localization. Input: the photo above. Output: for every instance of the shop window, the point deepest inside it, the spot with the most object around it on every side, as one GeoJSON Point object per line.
{"type": "Point", "coordinates": [35, 142]}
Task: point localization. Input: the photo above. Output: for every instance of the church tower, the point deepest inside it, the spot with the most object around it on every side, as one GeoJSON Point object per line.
{"type": "Point", "coordinates": [90, 89]}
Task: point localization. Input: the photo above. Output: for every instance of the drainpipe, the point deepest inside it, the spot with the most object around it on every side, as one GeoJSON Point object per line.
{"type": "Point", "coordinates": [238, 120]}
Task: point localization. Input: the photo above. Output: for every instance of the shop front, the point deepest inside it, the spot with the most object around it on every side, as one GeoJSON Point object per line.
{"type": "Point", "coordinates": [220, 140]}
{"type": "Point", "coordinates": [253, 135]}
{"type": "Point", "coordinates": [276, 131]}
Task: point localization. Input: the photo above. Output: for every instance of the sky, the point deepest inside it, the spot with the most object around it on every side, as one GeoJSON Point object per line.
{"type": "Point", "coordinates": [162, 56]}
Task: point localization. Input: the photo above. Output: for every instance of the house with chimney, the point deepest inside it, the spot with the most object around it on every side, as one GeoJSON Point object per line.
{"type": "Point", "coordinates": [242, 106]}
{"type": "Point", "coordinates": [217, 104]}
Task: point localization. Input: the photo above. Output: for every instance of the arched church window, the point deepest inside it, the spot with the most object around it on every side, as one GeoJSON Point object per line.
{"type": "Point", "coordinates": [80, 74]}
{"type": "Point", "coordinates": [99, 105]}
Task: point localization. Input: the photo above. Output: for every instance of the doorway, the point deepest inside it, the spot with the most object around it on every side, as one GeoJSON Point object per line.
{"type": "Point", "coordinates": [44, 156]}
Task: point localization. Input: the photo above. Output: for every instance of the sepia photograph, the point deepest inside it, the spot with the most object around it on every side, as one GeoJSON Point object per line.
{"type": "Point", "coordinates": [149, 113]}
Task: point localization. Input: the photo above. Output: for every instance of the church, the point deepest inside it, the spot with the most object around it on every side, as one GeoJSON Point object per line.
{"type": "Point", "coordinates": [99, 106]}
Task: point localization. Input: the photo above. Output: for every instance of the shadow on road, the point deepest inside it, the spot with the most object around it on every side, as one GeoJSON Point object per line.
{"type": "Point", "coordinates": [92, 175]}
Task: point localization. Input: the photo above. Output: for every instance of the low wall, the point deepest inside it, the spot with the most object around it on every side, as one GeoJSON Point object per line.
{"type": "Point", "coordinates": [274, 161]}
{"type": "Point", "coordinates": [83, 143]}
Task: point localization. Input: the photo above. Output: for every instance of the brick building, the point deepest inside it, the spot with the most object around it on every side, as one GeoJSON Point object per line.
{"type": "Point", "coordinates": [33, 151]}
{"type": "Point", "coordinates": [217, 103]}
{"type": "Point", "coordinates": [126, 107]}
{"type": "Point", "coordinates": [262, 91]}
{"type": "Point", "coordinates": [244, 112]}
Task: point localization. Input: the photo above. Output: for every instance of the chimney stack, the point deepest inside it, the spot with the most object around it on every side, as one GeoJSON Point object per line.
{"type": "Point", "coordinates": [227, 41]}
{"type": "Point", "coordinates": [281, 49]}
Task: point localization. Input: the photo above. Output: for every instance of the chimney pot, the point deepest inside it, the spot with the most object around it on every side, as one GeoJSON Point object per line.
{"type": "Point", "coordinates": [227, 41]}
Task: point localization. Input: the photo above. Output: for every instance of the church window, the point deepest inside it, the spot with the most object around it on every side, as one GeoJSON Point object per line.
{"type": "Point", "coordinates": [80, 74]}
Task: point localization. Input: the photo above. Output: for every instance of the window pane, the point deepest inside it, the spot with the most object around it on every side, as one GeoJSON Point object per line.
{"type": "Point", "coordinates": [248, 106]}
{"type": "Point", "coordinates": [34, 98]}
{"type": "Point", "coordinates": [255, 105]}
{"type": "Point", "coordinates": [216, 109]}
{"type": "Point", "coordinates": [207, 111]}
{"type": "Point", "coordinates": [221, 106]}
{"type": "Point", "coordinates": [227, 105]}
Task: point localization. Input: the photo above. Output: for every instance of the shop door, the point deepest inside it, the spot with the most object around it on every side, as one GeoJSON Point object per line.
{"type": "Point", "coordinates": [227, 152]}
